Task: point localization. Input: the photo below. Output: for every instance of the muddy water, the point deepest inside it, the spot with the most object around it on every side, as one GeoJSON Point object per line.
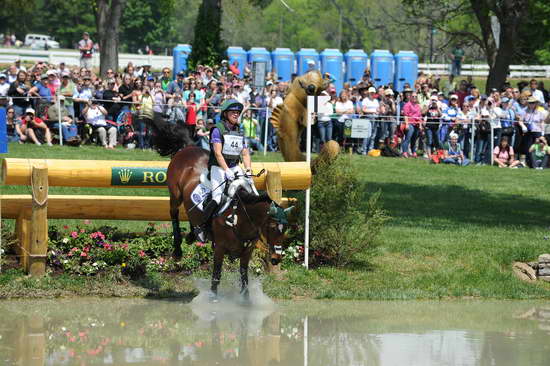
{"type": "Point", "coordinates": [143, 332]}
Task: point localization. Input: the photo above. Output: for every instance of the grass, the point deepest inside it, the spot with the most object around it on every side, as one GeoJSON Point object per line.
{"type": "Point", "coordinates": [454, 233]}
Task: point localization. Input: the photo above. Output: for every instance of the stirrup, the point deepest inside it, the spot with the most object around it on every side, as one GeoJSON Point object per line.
{"type": "Point", "coordinates": [200, 233]}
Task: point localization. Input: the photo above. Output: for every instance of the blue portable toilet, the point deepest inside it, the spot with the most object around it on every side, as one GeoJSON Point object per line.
{"type": "Point", "coordinates": [406, 69]}
{"type": "Point", "coordinates": [356, 63]}
{"type": "Point", "coordinates": [260, 54]}
{"type": "Point", "coordinates": [304, 56]}
{"type": "Point", "coordinates": [332, 62]}
{"type": "Point", "coordinates": [239, 55]}
{"type": "Point", "coordinates": [381, 67]}
{"type": "Point", "coordinates": [282, 61]}
{"type": "Point", "coordinates": [180, 56]}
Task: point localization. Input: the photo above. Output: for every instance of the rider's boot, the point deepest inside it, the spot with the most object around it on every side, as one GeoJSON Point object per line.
{"type": "Point", "coordinates": [208, 211]}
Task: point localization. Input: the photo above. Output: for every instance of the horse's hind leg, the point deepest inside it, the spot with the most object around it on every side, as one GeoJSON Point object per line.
{"type": "Point", "coordinates": [175, 203]}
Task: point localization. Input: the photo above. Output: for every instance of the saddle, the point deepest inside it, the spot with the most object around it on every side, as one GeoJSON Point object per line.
{"type": "Point", "coordinates": [202, 194]}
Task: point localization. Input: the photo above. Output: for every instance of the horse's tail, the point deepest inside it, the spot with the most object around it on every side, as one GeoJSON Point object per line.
{"type": "Point", "coordinates": [169, 138]}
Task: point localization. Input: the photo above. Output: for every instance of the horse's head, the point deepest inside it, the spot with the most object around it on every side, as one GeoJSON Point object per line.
{"type": "Point", "coordinates": [274, 231]}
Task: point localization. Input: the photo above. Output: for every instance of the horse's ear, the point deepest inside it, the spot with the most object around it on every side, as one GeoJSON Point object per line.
{"type": "Point", "coordinates": [289, 210]}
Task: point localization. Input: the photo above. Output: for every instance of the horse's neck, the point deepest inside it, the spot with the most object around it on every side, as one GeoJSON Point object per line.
{"type": "Point", "coordinates": [256, 211]}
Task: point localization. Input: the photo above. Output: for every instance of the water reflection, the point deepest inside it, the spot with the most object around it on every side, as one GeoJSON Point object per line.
{"type": "Point", "coordinates": [141, 332]}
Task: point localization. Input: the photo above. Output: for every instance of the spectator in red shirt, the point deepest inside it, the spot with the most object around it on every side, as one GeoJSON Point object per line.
{"type": "Point", "coordinates": [32, 124]}
{"type": "Point", "coordinates": [235, 68]}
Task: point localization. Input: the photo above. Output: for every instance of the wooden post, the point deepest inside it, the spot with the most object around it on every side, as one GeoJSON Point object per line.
{"type": "Point", "coordinates": [24, 237]}
{"type": "Point", "coordinates": [274, 189]}
{"type": "Point", "coordinates": [39, 221]}
{"type": "Point", "coordinates": [273, 185]}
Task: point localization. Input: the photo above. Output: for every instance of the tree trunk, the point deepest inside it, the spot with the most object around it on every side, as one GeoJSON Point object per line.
{"type": "Point", "coordinates": [510, 14]}
{"type": "Point", "coordinates": [108, 15]}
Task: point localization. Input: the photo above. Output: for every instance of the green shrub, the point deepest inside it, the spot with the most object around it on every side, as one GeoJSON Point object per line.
{"type": "Point", "coordinates": [90, 251]}
{"type": "Point", "coordinates": [344, 220]}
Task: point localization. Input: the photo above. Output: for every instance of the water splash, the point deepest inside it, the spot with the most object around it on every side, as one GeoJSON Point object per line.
{"type": "Point", "coordinates": [230, 304]}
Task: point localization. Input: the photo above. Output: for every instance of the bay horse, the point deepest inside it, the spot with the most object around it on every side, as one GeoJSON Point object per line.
{"type": "Point", "coordinates": [259, 218]}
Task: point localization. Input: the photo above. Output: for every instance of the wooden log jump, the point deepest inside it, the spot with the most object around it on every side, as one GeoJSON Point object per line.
{"type": "Point", "coordinates": [133, 174]}
{"type": "Point", "coordinates": [95, 207]}
{"type": "Point", "coordinates": [32, 211]}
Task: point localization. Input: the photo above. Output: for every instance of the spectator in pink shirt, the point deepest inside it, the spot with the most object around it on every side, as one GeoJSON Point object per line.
{"type": "Point", "coordinates": [412, 111]}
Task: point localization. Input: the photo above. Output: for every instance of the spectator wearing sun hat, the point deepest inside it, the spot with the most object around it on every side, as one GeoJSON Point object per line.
{"type": "Point", "coordinates": [67, 89]}
{"type": "Point", "coordinates": [370, 108]}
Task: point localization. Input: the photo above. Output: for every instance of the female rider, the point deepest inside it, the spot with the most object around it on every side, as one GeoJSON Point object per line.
{"type": "Point", "coordinates": [227, 148]}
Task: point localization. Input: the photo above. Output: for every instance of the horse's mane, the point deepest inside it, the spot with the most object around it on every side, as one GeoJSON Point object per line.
{"type": "Point", "coordinates": [169, 138]}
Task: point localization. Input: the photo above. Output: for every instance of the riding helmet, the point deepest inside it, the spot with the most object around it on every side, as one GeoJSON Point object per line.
{"type": "Point", "coordinates": [232, 105]}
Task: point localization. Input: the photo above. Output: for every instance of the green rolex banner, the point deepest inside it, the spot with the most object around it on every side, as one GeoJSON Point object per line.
{"type": "Point", "coordinates": [138, 176]}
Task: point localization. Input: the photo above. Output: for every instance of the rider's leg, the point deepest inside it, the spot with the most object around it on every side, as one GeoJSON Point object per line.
{"type": "Point", "coordinates": [217, 178]}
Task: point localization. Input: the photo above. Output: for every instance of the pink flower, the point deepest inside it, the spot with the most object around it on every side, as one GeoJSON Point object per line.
{"type": "Point", "coordinates": [87, 249]}
{"type": "Point", "coordinates": [83, 254]}
{"type": "Point", "coordinates": [107, 246]}
{"type": "Point", "coordinates": [74, 234]}
{"type": "Point", "coordinates": [141, 253]}
{"type": "Point", "coordinates": [65, 227]}
{"type": "Point", "coordinates": [82, 334]}
{"type": "Point", "coordinates": [124, 246]}
{"type": "Point", "coordinates": [82, 231]}
{"type": "Point", "coordinates": [200, 244]}
{"type": "Point", "coordinates": [152, 224]}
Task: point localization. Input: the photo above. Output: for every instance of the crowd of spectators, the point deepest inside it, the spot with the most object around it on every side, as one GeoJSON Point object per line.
{"type": "Point", "coordinates": [432, 118]}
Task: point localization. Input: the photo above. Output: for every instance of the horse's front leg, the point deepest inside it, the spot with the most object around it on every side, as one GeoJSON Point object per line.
{"type": "Point", "coordinates": [217, 270]}
{"type": "Point", "coordinates": [243, 270]}
{"type": "Point", "coordinates": [176, 230]}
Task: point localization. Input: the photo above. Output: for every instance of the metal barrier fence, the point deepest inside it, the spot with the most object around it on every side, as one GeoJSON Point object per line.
{"type": "Point", "coordinates": [465, 127]}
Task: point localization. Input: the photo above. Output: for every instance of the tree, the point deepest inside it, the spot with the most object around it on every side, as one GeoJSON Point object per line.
{"type": "Point", "coordinates": [17, 16]}
{"type": "Point", "coordinates": [108, 14]}
{"type": "Point", "coordinates": [208, 47]}
{"type": "Point", "coordinates": [66, 20]}
{"type": "Point", "coordinates": [441, 14]}
{"type": "Point", "coordinates": [148, 22]}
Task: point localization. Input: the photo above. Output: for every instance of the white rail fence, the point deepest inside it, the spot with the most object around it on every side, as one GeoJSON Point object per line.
{"type": "Point", "coordinates": [8, 55]}
{"type": "Point", "coordinates": [516, 71]}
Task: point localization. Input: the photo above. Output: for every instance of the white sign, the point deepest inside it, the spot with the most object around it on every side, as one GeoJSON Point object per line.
{"type": "Point", "coordinates": [360, 128]}
{"type": "Point", "coordinates": [321, 99]}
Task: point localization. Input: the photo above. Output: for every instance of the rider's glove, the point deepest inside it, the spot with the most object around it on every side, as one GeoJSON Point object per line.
{"type": "Point", "coordinates": [248, 173]}
{"type": "Point", "coordinates": [229, 175]}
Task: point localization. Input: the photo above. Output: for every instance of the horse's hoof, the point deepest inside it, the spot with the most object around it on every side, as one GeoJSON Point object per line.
{"type": "Point", "coordinates": [176, 255]}
{"type": "Point", "coordinates": [213, 298]}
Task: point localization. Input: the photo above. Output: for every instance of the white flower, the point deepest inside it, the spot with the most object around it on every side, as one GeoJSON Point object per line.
{"type": "Point", "coordinates": [65, 240]}
{"type": "Point", "coordinates": [65, 261]}
{"type": "Point", "coordinates": [1, 251]}
{"type": "Point", "coordinates": [63, 329]}
{"type": "Point", "coordinates": [95, 264]}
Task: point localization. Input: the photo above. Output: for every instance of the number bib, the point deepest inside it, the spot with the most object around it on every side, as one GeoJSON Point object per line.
{"type": "Point", "coordinates": [232, 145]}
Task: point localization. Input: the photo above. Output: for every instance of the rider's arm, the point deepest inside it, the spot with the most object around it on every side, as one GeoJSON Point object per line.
{"type": "Point", "coordinates": [246, 159]}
